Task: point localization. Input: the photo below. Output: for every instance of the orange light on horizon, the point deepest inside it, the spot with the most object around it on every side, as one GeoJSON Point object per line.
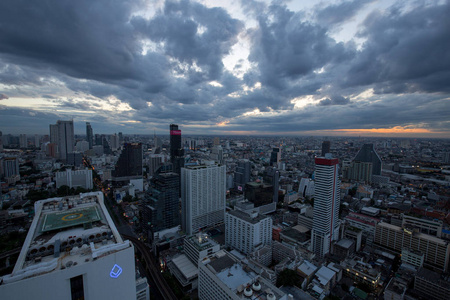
{"type": "Point", "coordinates": [396, 129]}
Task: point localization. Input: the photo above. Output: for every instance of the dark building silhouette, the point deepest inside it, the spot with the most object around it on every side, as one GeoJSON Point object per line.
{"type": "Point", "coordinates": [368, 154]}
{"type": "Point", "coordinates": [242, 174]}
{"type": "Point", "coordinates": [89, 135]}
{"type": "Point", "coordinates": [176, 151]}
{"type": "Point", "coordinates": [259, 193]}
{"type": "Point", "coordinates": [275, 156]}
{"type": "Point", "coordinates": [162, 208]}
{"type": "Point", "coordinates": [326, 147]}
{"type": "Point", "coordinates": [130, 161]}
{"type": "Point", "coordinates": [272, 176]}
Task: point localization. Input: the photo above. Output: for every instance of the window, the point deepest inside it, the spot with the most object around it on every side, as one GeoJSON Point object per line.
{"type": "Point", "coordinates": [77, 288]}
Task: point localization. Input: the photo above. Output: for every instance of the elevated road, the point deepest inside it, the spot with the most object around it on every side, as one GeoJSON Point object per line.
{"type": "Point", "coordinates": [152, 267]}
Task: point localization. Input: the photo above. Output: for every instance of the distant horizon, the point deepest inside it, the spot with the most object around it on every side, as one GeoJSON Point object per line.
{"type": "Point", "coordinates": [292, 68]}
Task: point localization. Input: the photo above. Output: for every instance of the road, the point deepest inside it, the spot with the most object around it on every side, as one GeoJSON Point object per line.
{"type": "Point", "coordinates": [149, 261]}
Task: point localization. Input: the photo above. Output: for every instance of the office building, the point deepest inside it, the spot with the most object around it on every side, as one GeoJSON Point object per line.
{"type": "Point", "coordinates": [424, 225]}
{"type": "Point", "coordinates": [359, 171]}
{"type": "Point", "coordinates": [326, 204]}
{"type": "Point", "coordinates": [223, 277]}
{"type": "Point", "coordinates": [203, 192]}
{"type": "Point", "coordinates": [10, 166]}
{"type": "Point", "coordinates": [23, 142]}
{"type": "Point", "coordinates": [306, 187]}
{"type": "Point", "coordinates": [395, 239]}
{"type": "Point", "coordinates": [365, 223]}
{"type": "Point", "coordinates": [275, 157]}
{"type": "Point", "coordinates": [75, 178]}
{"type": "Point", "coordinates": [62, 134]}
{"type": "Point", "coordinates": [368, 154]}
{"type": "Point", "coordinates": [72, 251]}
{"type": "Point", "coordinates": [75, 159]}
{"type": "Point", "coordinates": [129, 163]}
{"type": "Point", "coordinates": [1, 141]}
{"type": "Point", "coordinates": [217, 154]}
{"type": "Point", "coordinates": [432, 285]}
{"type": "Point", "coordinates": [89, 135]}
{"type": "Point", "coordinates": [163, 205]}
{"type": "Point", "coordinates": [242, 174]}
{"type": "Point", "coordinates": [176, 150]}
{"type": "Point", "coordinates": [272, 176]}
{"type": "Point", "coordinates": [326, 148]}
{"type": "Point", "coordinates": [247, 231]}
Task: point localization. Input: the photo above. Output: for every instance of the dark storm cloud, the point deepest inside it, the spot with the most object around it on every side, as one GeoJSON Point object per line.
{"type": "Point", "coordinates": [334, 100]}
{"type": "Point", "coordinates": [329, 15]}
{"type": "Point", "coordinates": [192, 33]}
{"type": "Point", "coordinates": [3, 97]}
{"type": "Point", "coordinates": [404, 51]}
{"type": "Point", "coordinates": [285, 47]}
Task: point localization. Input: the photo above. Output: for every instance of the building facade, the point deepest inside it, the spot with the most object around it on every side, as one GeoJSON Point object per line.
{"type": "Point", "coordinates": [203, 192]}
{"type": "Point", "coordinates": [326, 205]}
{"type": "Point", "coordinates": [247, 231]}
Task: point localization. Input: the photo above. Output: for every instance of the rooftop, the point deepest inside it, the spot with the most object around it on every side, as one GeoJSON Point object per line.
{"type": "Point", "coordinates": [252, 218]}
{"type": "Point", "coordinates": [77, 226]}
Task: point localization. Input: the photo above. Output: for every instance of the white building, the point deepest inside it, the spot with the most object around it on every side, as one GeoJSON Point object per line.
{"type": "Point", "coordinates": [221, 276]}
{"type": "Point", "coordinates": [326, 205]}
{"type": "Point", "coordinates": [72, 251]}
{"type": "Point", "coordinates": [306, 187]}
{"type": "Point", "coordinates": [203, 192]}
{"type": "Point", "coordinates": [247, 231]}
{"type": "Point", "coordinates": [77, 178]}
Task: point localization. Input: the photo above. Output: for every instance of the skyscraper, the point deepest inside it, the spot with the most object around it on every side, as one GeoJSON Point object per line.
{"type": "Point", "coordinates": [242, 174]}
{"type": "Point", "coordinates": [176, 151]}
{"type": "Point", "coordinates": [203, 192]}
{"type": "Point", "coordinates": [89, 135]}
{"type": "Point", "coordinates": [130, 161]}
{"type": "Point", "coordinates": [1, 141]}
{"type": "Point", "coordinates": [54, 133]}
{"type": "Point", "coordinates": [368, 154]}
{"type": "Point", "coordinates": [326, 205]}
{"type": "Point", "coordinates": [326, 145]}
{"type": "Point", "coordinates": [23, 141]}
{"type": "Point", "coordinates": [162, 211]}
{"type": "Point", "coordinates": [275, 157]}
{"type": "Point", "coordinates": [64, 136]}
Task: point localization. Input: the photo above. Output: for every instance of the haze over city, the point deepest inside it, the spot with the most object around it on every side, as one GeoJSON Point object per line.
{"type": "Point", "coordinates": [362, 68]}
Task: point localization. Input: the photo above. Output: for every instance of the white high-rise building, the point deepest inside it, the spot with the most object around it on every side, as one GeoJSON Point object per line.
{"type": "Point", "coordinates": [72, 251]}
{"type": "Point", "coordinates": [203, 192]}
{"type": "Point", "coordinates": [75, 178]}
{"type": "Point", "coordinates": [245, 231]}
{"type": "Point", "coordinates": [23, 142]}
{"type": "Point", "coordinates": [66, 139]}
{"type": "Point", "coordinates": [326, 205]}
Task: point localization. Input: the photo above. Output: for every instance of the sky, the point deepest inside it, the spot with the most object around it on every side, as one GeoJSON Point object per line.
{"type": "Point", "coordinates": [357, 68]}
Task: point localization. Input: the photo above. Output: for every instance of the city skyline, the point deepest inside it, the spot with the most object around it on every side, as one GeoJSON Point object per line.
{"type": "Point", "coordinates": [335, 68]}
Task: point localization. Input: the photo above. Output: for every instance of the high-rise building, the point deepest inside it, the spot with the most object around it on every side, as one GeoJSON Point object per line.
{"type": "Point", "coordinates": [10, 166]}
{"type": "Point", "coordinates": [272, 176]}
{"type": "Point", "coordinates": [1, 141]}
{"type": "Point", "coordinates": [89, 135]}
{"type": "Point", "coordinates": [326, 146]}
{"type": "Point", "coordinates": [72, 251]}
{"type": "Point", "coordinates": [242, 174]}
{"type": "Point", "coordinates": [176, 150]}
{"type": "Point", "coordinates": [54, 133]}
{"type": "Point", "coordinates": [368, 154]}
{"type": "Point", "coordinates": [64, 136]}
{"type": "Point", "coordinates": [75, 178]}
{"type": "Point", "coordinates": [162, 209]}
{"type": "Point", "coordinates": [275, 157]}
{"type": "Point", "coordinates": [360, 171]}
{"type": "Point", "coordinates": [245, 231]}
{"type": "Point", "coordinates": [217, 154]}
{"type": "Point", "coordinates": [37, 143]}
{"type": "Point", "coordinates": [23, 143]}
{"type": "Point", "coordinates": [129, 163]}
{"type": "Point", "coordinates": [203, 192]}
{"type": "Point", "coordinates": [326, 205]}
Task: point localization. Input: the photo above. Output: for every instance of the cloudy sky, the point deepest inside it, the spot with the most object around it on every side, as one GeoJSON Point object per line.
{"type": "Point", "coordinates": [358, 67]}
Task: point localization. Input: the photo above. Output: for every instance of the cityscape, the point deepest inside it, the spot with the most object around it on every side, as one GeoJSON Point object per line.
{"type": "Point", "coordinates": [236, 149]}
{"type": "Point", "coordinates": [223, 217]}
